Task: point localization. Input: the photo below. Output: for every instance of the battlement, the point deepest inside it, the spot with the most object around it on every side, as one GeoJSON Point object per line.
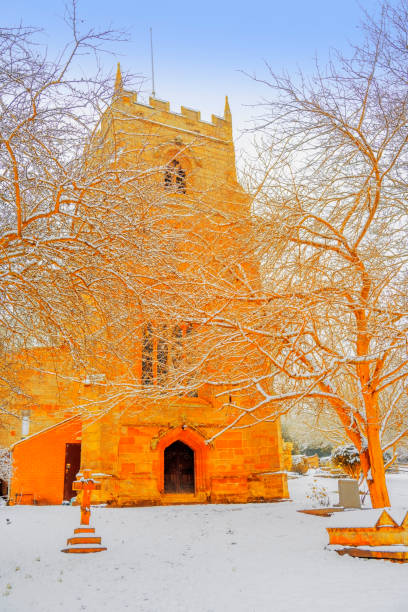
{"type": "Point", "coordinates": [161, 105]}
{"type": "Point", "coordinates": [158, 111]}
{"type": "Point", "coordinates": [187, 120]}
{"type": "Point", "coordinates": [189, 113]}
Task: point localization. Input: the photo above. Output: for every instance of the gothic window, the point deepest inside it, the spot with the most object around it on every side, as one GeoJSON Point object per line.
{"type": "Point", "coordinates": [147, 356]}
{"type": "Point", "coordinates": [176, 352]}
{"type": "Point", "coordinates": [162, 351]}
{"type": "Point", "coordinates": [175, 177]}
{"type": "Point", "coordinates": [162, 358]}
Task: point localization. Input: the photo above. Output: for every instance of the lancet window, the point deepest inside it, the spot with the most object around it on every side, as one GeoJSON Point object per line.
{"type": "Point", "coordinates": [162, 351]}
{"type": "Point", "coordinates": [147, 355]}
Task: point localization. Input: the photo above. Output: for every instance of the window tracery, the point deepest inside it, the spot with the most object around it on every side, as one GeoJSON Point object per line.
{"type": "Point", "coordinates": [175, 177]}
{"type": "Point", "coordinates": [162, 351]}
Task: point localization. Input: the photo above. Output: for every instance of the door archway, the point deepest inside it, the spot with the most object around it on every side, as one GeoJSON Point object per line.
{"type": "Point", "coordinates": [179, 472]}
{"type": "Point", "coordinates": [196, 443]}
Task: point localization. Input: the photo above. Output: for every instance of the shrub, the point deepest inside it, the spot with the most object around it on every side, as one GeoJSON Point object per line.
{"type": "Point", "coordinates": [348, 459]}
{"type": "Point", "coordinates": [299, 464]}
{"type": "Point", "coordinates": [318, 494]}
{"type": "Point", "coordinates": [5, 464]}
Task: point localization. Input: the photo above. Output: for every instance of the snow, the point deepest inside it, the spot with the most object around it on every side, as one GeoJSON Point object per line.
{"type": "Point", "coordinates": [220, 558]}
{"type": "Point", "coordinates": [365, 518]}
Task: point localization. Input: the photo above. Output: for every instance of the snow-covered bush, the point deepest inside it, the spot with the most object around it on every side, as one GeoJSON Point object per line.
{"type": "Point", "coordinates": [5, 464]}
{"type": "Point", "coordinates": [299, 464]}
{"type": "Point", "coordinates": [5, 469]}
{"type": "Point", "coordinates": [348, 459]}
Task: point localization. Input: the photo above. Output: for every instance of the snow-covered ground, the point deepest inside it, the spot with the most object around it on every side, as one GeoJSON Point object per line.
{"type": "Point", "coordinates": [237, 558]}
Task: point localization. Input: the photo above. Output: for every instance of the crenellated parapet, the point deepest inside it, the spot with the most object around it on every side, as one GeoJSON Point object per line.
{"type": "Point", "coordinates": [188, 120]}
{"type": "Point", "coordinates": [158, 111]}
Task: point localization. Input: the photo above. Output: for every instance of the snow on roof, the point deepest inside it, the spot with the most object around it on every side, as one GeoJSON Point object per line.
{"type": "Point", "coordinates": [38, 433]}
{"type": "Point", "coordinates": [365, 518]}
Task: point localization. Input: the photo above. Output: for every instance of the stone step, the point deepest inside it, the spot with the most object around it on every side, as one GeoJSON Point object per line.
{"type": "Point", "coordinates": [183, 498]}
{"type": "Point", "coordinates": [84, 529]}
{"type": "Point", "coordinates": [83, 549]}
{"type": "Point", "coordinates": [84, 539]}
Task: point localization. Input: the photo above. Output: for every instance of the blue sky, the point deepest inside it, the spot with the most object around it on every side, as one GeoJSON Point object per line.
{"type": "Point", "coordinates": [202, 48]}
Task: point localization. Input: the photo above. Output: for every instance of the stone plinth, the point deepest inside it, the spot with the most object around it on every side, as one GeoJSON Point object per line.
{"type": "Point", "coordinates": [376, 534]}
{"type": "Point", "coordinates": [84, 540]}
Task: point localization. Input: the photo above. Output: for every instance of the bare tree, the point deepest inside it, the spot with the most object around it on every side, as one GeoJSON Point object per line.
{"type": "Point", "coordinates": [328, 327]}
{"type": "Point", "coordinates": [82, 240]}
{"type": "Point", "coordinates": [94, 251]}
{"type": "Point", "coordinates": [45, 110]}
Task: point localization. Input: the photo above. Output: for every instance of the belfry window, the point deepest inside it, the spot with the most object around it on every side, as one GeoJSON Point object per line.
{"type": "Point", "coordinates": [175, 177]}
{"type": "Point", "coordinates": [162, 351]}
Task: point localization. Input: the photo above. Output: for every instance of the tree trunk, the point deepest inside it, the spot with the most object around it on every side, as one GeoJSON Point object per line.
{"type": "Point", "coordinates": [373, 468]}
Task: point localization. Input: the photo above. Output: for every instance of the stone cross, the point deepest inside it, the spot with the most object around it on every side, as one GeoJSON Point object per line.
{"type": "Point", "coordinates": [86, 484]}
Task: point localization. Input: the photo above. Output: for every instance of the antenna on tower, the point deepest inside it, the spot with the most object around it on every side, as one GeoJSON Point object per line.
{"type": "Point", "coordinates": [151, 55]}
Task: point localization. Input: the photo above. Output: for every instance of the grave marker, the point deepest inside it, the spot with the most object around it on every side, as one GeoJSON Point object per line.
{"type": "Point", "coordinates": [84, 539]}
{"type": "Point", "coordinates": [349, 496]}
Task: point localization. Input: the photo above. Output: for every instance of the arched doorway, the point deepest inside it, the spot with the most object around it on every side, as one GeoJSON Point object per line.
{"type": "Point", "coordinates": [179, 474]}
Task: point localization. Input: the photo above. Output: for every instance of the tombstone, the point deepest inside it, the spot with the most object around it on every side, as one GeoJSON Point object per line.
{"type": "Point", "coordinates": [349, 496]}
{"type": "Point", "coordinates": [84, 539]}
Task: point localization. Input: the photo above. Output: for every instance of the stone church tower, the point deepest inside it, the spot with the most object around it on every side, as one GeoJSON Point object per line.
{"type": "Point", "coordinates": [157, 453]}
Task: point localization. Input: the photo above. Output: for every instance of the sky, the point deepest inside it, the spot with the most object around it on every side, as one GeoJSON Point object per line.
{"type": "Point", "coordinates": [203, 50]}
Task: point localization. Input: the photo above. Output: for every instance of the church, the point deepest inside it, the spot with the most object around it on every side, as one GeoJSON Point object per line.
{"type": "Point", "coordinates": [165, 451]}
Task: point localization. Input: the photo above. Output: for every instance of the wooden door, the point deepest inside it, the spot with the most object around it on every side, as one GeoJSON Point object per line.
{"type": "Point", "coordinates": [72, 466]}
{"type": "Point", "coordinates": [178, 468]}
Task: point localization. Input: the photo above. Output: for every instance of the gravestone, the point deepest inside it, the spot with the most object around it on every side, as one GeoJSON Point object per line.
{"type": "Point", "coordinates": [349, 496]}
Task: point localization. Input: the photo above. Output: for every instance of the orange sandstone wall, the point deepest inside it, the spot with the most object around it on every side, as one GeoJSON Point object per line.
{"type": "Point", "coordinates": [39, 463]}
{"type": "Point", "coordinates": [237, 467]}
{"type": "Point", "coordinates": [246, 465]}
{"type": "Point", "coordinates": [46, 392]}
